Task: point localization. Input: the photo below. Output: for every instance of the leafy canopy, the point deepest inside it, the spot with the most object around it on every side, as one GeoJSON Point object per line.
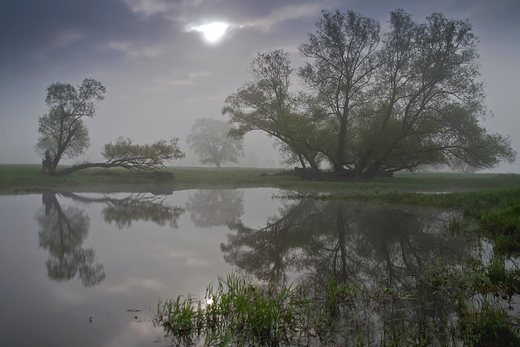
{"type": "Point", "coordinates": [62, 131]}
{"type": "Point", "coordinates": [374, 103]}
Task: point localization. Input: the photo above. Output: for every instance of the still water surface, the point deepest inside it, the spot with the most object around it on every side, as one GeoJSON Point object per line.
{"type": "Point", "coordinates": [89, 269]}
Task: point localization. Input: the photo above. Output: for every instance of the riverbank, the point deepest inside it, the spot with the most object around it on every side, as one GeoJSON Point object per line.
{"type": "Point", "coordinates": [26, 179]}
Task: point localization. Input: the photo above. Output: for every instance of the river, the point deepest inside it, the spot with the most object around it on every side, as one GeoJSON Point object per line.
{"type": "Point", "coordinates": [90, 269]}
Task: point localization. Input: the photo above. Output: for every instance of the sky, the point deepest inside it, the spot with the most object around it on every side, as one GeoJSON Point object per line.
{"type": "Point", "coordinates": [161, 74]}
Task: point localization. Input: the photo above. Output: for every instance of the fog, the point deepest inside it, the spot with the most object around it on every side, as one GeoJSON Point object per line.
{"type": "Point", "coordinates": [161, 74]}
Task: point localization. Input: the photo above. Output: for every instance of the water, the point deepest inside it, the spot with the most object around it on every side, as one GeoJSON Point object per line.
{"type": "Point", "coordinates": [89, 269]}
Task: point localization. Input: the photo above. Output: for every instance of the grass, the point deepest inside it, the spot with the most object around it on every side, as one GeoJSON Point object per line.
{"type": "Point", "coordinates": [245, 313]}
{"type": "Point", "coordinates": [20, 179]}
{"type": "Point", "coordinates": [239, 313]}
{"type": "Point", "coordinates": [485, 323]}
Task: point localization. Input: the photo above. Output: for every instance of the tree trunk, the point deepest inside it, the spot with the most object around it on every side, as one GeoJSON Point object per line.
{"type": "Point", "coordinates": [70, 170]}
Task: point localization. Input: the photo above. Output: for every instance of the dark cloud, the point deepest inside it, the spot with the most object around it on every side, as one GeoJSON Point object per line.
{"type": "Point", "coordinates": [160, 76]}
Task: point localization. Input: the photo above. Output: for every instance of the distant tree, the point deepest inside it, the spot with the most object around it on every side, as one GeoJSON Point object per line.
{"type": "Point", "coordinates": [462, 167]}
{"type": "Point", "coordinates": [62, 130]}
{"type": "Point", "coordinates": [211, 141]}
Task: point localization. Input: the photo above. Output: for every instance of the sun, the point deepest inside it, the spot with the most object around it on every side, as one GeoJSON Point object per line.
{"type": "Point", "coordinates": [212, 32]}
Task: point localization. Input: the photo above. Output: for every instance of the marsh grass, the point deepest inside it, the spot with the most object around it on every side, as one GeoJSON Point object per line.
{"type": "Point", "coordinates": [480, 287]}
{"type": "Point", "coordinates": [483, 284]}
{"type": "Point", "coordinates": [240, 313]}
{"type": "Point", "coordinates": [486, 323]}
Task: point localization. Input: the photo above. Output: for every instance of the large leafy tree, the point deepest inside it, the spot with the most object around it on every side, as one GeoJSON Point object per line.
{"type": "Point", "coordinates": [211, 141]}
{"type": "Point", "coordinates": [377, 103]}
{"type": "Point", "coordinates": [427, 101]}
{"type": "Point", "coordinates": [62, 130]}
{"type": "Point", "coordinates": [343, 53]}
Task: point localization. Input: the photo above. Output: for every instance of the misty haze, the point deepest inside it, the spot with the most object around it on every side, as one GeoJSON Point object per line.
{"type": "Point", "coordinates": [259, 173]}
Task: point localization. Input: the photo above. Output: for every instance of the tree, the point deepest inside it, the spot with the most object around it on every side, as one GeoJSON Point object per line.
{"type": "Point", "coordinates": [210, 140]}
{"type": "Point", "coordinates": [125, 154]}
{"type": "Point", "coordinates": [266, 104]}
{"type": "Point", "coordinates": [377, 104]}
{"type": "Point", "coordinates": [62, 130]}
{"type": "Point", "coordinates": [344, 60]}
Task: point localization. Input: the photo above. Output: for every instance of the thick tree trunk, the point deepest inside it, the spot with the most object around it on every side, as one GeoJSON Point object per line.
{"type": "Point", "coordinates": [70, 170]}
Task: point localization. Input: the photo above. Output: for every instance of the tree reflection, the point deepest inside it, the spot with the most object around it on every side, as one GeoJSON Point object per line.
{"type": "Point", "coordinates": [215, 207]}
{"type": "Point", "coordinates": [135, 207]}
{"type": "Point", "coordinates": [63, 230]}
{"type": "Point", "coordinates": [376, 245]}
{"type": "Point", "coordinates": [378, 249]}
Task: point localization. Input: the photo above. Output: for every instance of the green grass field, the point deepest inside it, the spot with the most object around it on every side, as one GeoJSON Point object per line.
{"type": "Point", "coordinates": [23, 179]}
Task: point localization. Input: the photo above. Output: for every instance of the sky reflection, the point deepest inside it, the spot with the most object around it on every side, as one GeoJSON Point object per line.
{"type": "Point", "coordinates": [145, 248]}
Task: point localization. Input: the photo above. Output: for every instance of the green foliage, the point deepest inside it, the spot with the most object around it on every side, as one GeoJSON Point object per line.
{"type": "Point", "coordinates": [486, 324]}
{"type": "Point", "coordinates": [58, 127]}
{"type": "Point", "coordinates": [125, 153]}
{"type": "Point", "coordinates": [240, 313]}
{"type": "Point", "coordinates": [267, 105]}
{"type": "Point", "coordinates": [377, 103]}
{"type": "Point", "coordinates": [62, 130]}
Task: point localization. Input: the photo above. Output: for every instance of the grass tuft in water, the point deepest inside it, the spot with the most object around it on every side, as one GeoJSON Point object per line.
{"type": "Point", "coordinates": [486, 324]}
{"type": "Point", "coordinates": [239, 313]}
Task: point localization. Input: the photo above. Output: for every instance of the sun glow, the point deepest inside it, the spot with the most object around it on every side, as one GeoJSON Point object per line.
{"type": "Point", "coordinates": [213, 32]}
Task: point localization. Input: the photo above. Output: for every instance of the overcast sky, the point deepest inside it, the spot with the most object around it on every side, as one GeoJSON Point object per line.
{"type": "Point", "coordinates": [161, 76]}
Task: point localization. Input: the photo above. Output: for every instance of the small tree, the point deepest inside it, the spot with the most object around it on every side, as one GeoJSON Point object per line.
{"type": "Point", "coordinates": [62, 131]}
{"type": "Point", "coordinates": [210, 140]}
{"type": "Point", "coordinates": [125, 154]}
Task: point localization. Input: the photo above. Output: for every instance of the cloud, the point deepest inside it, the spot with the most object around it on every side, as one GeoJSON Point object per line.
{"type": "Point", "coordinates": [133, 50]}
{"type": "Point", "coordinates": [183, 78]}
{"type": "Point", "coordinates": [148, 7]}
{"type": "Point", "coordinates": [136, 333]}
{"type": "Point", "coordinates": [66, 37]}
{"type": "Point", "coordinates": [290, 12]}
